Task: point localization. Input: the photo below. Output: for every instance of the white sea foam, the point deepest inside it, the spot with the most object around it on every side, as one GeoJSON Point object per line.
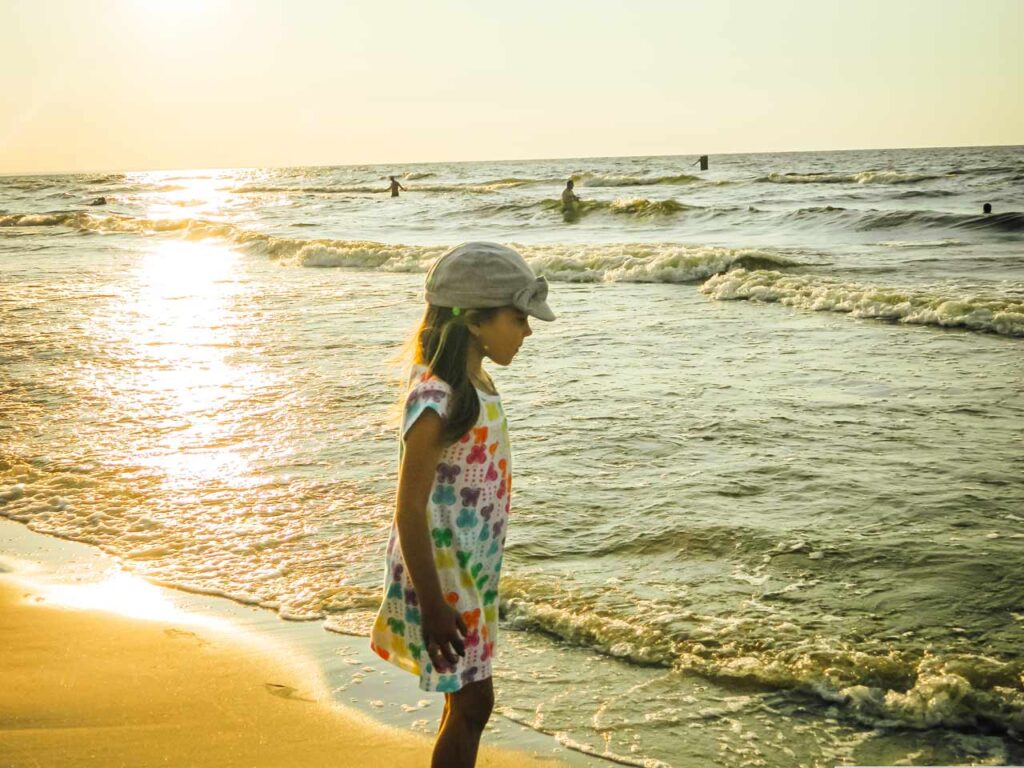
{"type": "Point", "coordinates": [939, 307]}
{"type": "Point", "coordinates": [612, 180]}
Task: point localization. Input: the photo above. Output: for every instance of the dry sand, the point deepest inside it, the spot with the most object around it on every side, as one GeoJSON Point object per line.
{"type": "Point", "coordinates": [91, 688]}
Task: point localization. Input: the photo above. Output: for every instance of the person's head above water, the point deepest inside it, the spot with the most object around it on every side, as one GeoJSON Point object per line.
{"type": "Point", "coordinates": [480, 297]}
{"type": "Point", "coordinates": [570, 184]}
{"type": "Point", "coordinates": [391, 177]}
{"type": "Point", "coordinates": [987, 208]}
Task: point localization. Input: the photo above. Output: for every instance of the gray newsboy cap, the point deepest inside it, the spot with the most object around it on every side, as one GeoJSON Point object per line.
{"type": "Point", "coordinates": [481, 275]}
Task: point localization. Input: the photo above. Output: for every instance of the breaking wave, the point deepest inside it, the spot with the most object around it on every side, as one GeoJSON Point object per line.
{"type": "Point", "coordinates": [628, 262]}
{"type": "Point", "coordinates": [639, 207]}
{"type": "Point", "coordinates": [735, 273]}
{"type": "Point", "coordinates": [942, 307]}
{"type": "Point", "coordinates": [607, 180]}
{"type": "Point", "coordinates": [873, 682]}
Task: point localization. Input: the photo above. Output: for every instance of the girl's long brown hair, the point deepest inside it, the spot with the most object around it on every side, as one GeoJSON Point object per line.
{"type": "Point", "coordinates": [441, 343]}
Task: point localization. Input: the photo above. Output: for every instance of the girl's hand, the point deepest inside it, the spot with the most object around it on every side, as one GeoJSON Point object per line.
{"type": "Point", "coordinates": [444, 634]}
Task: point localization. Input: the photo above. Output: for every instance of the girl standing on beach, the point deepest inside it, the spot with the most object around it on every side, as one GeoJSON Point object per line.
{"type": "Point", "coordinates": [439, 617]}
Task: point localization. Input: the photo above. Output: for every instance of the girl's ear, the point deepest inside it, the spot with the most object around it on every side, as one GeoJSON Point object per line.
{"type": "Point", "coordinates": [473, 323]}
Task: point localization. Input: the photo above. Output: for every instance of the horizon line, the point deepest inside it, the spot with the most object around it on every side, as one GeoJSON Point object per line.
{"type": "Point", "coordinates": [4, 174]}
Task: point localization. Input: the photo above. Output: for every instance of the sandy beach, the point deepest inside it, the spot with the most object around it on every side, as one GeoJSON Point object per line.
{"type": "Point", "coordinates": [90, 688]}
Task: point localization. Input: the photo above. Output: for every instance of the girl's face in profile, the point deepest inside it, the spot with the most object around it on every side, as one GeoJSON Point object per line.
{"type": "Point", "coordinates": [503, 334]}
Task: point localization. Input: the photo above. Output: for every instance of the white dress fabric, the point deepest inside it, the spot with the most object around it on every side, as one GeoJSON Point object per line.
{"type": "Point", "coordinates": [467, 513]}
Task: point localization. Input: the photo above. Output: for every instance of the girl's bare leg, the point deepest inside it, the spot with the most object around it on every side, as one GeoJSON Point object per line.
{"type": "Point", "coordinates": [468, 709]}
{"type": "Point", "coordinates": [447, 709]}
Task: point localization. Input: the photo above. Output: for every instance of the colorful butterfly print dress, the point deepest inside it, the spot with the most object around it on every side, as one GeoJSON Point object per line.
{"type": "Point", "coordinates": [466, 515]}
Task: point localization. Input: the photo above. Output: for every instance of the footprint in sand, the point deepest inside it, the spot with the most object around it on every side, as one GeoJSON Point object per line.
{"type": "Point", "coordinates": [285, 692]}
{"type": "Point", "coordinates": [181, 634]}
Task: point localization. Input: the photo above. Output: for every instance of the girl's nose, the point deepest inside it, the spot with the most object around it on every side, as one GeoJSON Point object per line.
{"type": "Point", "coordinates": [529, 331]}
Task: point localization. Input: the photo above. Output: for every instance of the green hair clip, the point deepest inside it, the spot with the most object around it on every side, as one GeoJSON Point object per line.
{"type": "Point", "coordinates": [456, 311]}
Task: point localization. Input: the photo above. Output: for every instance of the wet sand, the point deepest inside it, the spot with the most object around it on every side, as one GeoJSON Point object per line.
{"type": "Point", "coordinates": [87, 687]}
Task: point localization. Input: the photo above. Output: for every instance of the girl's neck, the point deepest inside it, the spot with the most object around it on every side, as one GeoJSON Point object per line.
{"type": "Point", "coordinates": [474, 362]}
{"type": "Point", "coordinates": [477, 375]}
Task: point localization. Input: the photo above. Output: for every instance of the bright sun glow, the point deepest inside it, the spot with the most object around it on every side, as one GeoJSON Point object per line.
{"type": "Point", "coordinates": [175, 9]}
{"type": "Point", "coordinates": [125, 595]}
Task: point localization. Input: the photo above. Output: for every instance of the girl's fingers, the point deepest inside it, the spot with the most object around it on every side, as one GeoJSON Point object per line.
{"type": "Point", "coordinates": [448, 651]}
{"type": "Point", "coordinates": [439, 656]}
{"type": "Point", "coordinates": [459, 635]}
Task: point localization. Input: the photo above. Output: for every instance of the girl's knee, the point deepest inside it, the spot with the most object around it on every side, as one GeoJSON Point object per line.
{"type": "Point", "coordinates": [474, 703]}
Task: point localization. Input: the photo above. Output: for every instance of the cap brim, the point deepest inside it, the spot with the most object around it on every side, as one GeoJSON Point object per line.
{"type": "Point", "coordinates": [540, 310]}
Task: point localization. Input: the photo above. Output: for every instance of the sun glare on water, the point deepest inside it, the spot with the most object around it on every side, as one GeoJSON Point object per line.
{"type": "Point", "coordinates": [175, 335]}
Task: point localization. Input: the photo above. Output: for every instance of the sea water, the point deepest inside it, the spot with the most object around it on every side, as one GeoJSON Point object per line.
{"type": "Point", "coordinates": [768, 506]}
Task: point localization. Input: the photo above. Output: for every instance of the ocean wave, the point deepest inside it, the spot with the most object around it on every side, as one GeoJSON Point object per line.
{"type": "Point", "coordinates": [874, 682]}
{"type": "Point", "coordinates": [861, 177]}
{"type": "Point", "coordinates": [492, 185]}
{"type": "Point", "coordinates": [644, 262]}
{"type": "Point", "coordinates": [633, 262]}
{"type": "Point", "coordinates": [1011, 221]}
{"type": "Point", "coordinates": [259, 189]}
{"type": "Point", "coordinates": [911, 193]}
{"type": "Point", "coordinates": [921, 244]}
{"type": "Point", "coordinates": [640, 206]}
{"type": "Point", "coordinates": [26, 184]}
{"type": "Point", "coordinates": [987, 170]}
{"type": "Point", "coordinates": [635, 206]}
{"type": "Point", "coordinates": [352, 254]}
{"type": "Point", "coordinates": [869, 220]}
{"type": "Point", "coordinates": [998, 222]}
{"type": "Point", "coordinates": [625, 262]}
{"type": "Point", "coordinates": [944, 308]}
{"type": "Point", "coordinates": [116, 223]}
{"type": "Point", "coordinates": [587, 179]}
{"type": "Point", "coordinates": [413, 175]}
{"type": "Point", "coordinates": [55, 218]}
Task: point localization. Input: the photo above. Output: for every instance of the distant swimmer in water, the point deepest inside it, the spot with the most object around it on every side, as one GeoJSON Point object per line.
{"type": "Point", "coordinates": [99, 201]}
{"type": "Point", "coordinates": [569, 198]}
{"type": "Point", "coordinates": [395, 186]}
{"type": "Point", "coordinates": [987, 208]}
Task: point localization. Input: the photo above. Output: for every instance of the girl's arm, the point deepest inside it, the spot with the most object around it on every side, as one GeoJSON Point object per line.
{"type": "Point", "coordinates": [442, 624]}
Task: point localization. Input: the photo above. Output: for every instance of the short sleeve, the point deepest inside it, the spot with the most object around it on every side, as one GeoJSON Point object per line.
{"type": "Point", "coordinates": [427, 392]}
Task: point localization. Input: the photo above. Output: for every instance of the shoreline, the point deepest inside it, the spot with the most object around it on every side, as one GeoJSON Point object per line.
{"type": "Point", "coordinates": [235, 684]}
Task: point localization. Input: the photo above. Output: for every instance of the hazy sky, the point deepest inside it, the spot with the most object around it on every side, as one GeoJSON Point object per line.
{"type": "Point", "coordinates": [138, 84]}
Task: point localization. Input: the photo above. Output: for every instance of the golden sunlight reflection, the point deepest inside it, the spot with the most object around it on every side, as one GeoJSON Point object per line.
{"type": "Point", "coordinates": [125, 595]}
{"type": "Point", "coordinates": [181, 194]}
{"type": "Point", "coordinates": [180, 381]}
